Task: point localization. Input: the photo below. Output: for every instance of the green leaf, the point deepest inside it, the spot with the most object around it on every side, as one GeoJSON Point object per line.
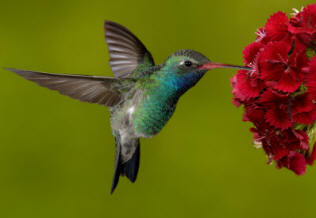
{"type": "Point", "coordinates": [310, 53]}
{"type": "Point", "coordinates": [311, 132]}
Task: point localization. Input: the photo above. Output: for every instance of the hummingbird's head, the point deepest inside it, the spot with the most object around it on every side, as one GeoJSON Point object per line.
{"type": "Point", "coordinates": [186, 67]}
{"type": "Point", "coordinates": [183, 69]}
{"type": "Point", "coordinates": [186, 61]}
{"type": "Point", "coordinates": [189, 61]}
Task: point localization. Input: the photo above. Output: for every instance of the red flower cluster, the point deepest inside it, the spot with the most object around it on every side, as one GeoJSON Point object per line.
{"type": "Point", "coordinates": [279, 92]}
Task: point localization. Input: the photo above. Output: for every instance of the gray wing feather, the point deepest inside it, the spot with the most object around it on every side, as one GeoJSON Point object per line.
{"type": "Point", "coordinates": [92, 89]}
{"type": "Point", "coordinates": [127, 52]}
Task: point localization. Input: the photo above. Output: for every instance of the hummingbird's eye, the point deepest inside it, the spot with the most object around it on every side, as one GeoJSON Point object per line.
{"type": "Point", "coordinates": [188, 63]}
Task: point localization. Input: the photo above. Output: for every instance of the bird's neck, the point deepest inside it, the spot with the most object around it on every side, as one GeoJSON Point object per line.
{"type": "Point", "coordinates": [176, 84]}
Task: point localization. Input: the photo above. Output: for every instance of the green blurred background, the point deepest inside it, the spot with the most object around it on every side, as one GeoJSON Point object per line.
{"type": "Point", "coordinates": [57, 154]}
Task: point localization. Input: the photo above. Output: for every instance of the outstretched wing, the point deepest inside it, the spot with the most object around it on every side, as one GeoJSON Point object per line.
{"type": "Point", "coordinates": [92, 89]}
{"type": "Point", "coordinates": [128, 55]}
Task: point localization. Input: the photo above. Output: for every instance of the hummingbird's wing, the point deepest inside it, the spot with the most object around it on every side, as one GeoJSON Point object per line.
{"type": "Point", "coordinates": [128, 55]}
{"type": "Point", "coordinates": [92, 89]}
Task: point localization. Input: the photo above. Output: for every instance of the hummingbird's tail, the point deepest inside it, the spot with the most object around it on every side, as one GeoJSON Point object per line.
{"type": "Point", "coordinates": [123, 167]}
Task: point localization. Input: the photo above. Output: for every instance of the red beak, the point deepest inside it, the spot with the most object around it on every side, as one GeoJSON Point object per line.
{"type": "Point", "coordinates": [211, 65]}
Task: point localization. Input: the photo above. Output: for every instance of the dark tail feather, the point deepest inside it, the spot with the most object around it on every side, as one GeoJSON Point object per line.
{"type": "Point", "coordinates": [128, 169]}
{"type": "Point", "coordinates": [117, 170]}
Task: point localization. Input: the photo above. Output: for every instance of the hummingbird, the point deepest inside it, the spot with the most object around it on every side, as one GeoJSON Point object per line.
{"type": "Point", "coordinates": [141, 96]}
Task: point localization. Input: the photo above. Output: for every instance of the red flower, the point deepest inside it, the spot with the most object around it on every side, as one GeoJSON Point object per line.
{"type": "Point", "coordinates": [281, 67]}
{"type": "Point", "coordinates": [279, 144]}
{"type": "Point", "coordinates": [247, 85]}
{"type": "Point", "coordinates": [277, 108]}
{"type": "Point", "coordinates": [303, 109]}
{"type": "Point", "coordinates": [251, 52]}
{"type": "Point", "coordinates": [311, 78]}
{"type": "Point", "coordinates": [303, 25]}
{"type": "Point", "coordinates": [304, 21]}
{"type": "Point", "coordinates": [254, 113]}
{"type": "Point", "coordinates": [279, 92]}
{"type": "Point", "coordinates": [294, 161]}
{"type": "Point", "coordinates": [276, 28]}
